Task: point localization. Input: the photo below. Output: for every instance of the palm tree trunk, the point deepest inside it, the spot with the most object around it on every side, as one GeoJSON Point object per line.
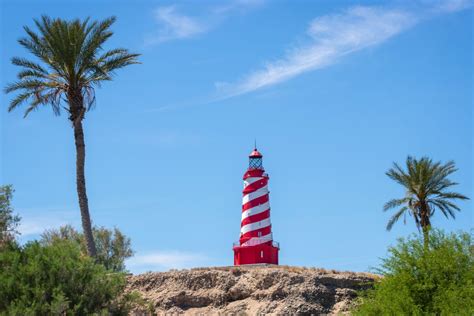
{"type": "Point", "coordinates": [426, 236]}
{"type": "Point", "coordinates": [81, 187]}
{"type": "Point", "coordinates": [425, 224]}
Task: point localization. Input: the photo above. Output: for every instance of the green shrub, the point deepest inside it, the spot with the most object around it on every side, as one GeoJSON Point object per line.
{"type": "Point", "coordinates": [113, 247]}
{"type": "Point", "coordinates": [417, 281]}
{"type": "Point", "coordinates": [8, 221]}
{"type": "Point", "coordinates": [58, 279]}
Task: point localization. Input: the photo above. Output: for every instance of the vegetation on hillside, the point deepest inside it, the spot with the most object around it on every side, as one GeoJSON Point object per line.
{"type": "Point", "coordinates": [8, 220]}
{"type": "Point", "coordinates": [438, 280]}
{"type": "Point", "coordinates": [113, 247]}
{"type": "Point", "coordinates": [58, 279]}
{"type": "Point", "coordinates": [55, 276]}
{"type": "Point", "coordinates": [71, 63]}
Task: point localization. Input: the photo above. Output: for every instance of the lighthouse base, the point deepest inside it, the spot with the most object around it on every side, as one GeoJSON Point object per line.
{"type": "Point", "coordinates": [263, 253]}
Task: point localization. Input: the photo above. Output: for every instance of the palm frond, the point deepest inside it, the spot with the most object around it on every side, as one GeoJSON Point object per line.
{"type": "Point", "coordinates": [426, 183]}
{"type": "Point", "coordinates": [444, 208]}
{"type": "Point", "coordinates": [111, 53]}
{"type": "Point", "coordinates": [396, 217]}
{"type": "Point", "coordinates": [397, 174]}
{"type": "Point", "coordinates": [395, 203]}
{"type": "Point", "coordinates": [27, 73]}
{"type": "Point", "coordinates": [92, 42]}
{"type": "Point", "coordinates": [441, 185]}
{"type": "Point", "coordinates": [116, 62]}
{"type": "Point", "coordinates": [70, 64]}
{"type": "Point", "coordinates": [452, 196]}
{"type": "Point", "coordinates": [22, 62]}
{"type": "Point", "coordinates": [27, 84]}
{"type": "Point", "coordinates": [89, 97]}
{"type": "Point", "coordinates": [448, 203]}
{"type": "Point", "coordinates": [19, 99]}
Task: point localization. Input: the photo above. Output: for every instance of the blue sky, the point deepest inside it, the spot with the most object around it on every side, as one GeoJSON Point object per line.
{"type": "Point", "coordinates": [333, 91]}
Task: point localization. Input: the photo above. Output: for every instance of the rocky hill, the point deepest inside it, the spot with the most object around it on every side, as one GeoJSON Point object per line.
{"type": "Point", "coordinates": [250, 290]}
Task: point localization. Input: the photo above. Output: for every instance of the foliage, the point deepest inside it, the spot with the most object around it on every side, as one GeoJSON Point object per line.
{"type": "Point", "coordinates": [8, 221]}
{"type": "Point", "coordinates": [113, 247]}
{"type": "Point", "coordinates": [71, 64]}
{"type": "Point", "coordinates": [58, 279]}
{"type": "Point", "coordinates": [426, 184]}
{"type": "Point", "coordinates": [419, 281]}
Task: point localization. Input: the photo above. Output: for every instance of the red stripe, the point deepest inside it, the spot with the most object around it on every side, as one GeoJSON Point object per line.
{"type": "Point", "coordinates": [253, 173]}
{"type": "Point", "coordinates": [254, 233]}
{"type": "Point", "coordinates": [256, 218]}
{"type": "Point", "coordinates": [255, 202]}
{"type": "Point", "coordinates": [255, 186]}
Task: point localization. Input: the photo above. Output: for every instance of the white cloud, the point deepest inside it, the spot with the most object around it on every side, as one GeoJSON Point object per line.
{"type": "Point", "coordinates": [174, 25]}
{"type": "Point", "coordinates": [331, 37]}
{"type": "Point", "coordinates": [165, 260]}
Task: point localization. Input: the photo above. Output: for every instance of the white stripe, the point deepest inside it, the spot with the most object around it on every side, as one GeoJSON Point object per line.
{"type": "Point", "coordinates": [258, 240]}
{"type": "Point", "coordinates": [254, 226]}
{"type": "Point", "coordinates": [251, 180]}
{"type": "Point", "coordinates": [256, 210]}
{"type": "Point", "coordinates": [256, 194]}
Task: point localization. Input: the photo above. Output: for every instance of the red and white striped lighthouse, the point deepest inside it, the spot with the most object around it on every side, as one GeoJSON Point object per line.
{"type": "Point", "coordinates": [256, 243]}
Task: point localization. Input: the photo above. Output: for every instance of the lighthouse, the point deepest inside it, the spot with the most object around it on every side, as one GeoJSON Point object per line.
{"type": "Point", "coordinates": [256, 245]}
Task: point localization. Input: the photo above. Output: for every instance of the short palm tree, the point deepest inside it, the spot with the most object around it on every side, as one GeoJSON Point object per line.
{"type": "Point", "coordinates": [71, 63]}
{"type": "Point", "coordinates": [426, 184]}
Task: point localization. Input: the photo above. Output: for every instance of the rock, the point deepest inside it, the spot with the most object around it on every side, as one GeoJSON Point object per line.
{"type": "Point", "coordinates": [250, 290]}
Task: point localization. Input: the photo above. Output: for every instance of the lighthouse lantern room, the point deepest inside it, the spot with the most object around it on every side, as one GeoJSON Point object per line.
{"type": "Point", "coordinates": [256, 245]}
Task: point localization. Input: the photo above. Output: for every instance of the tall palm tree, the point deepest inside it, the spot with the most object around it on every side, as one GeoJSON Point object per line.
{"type": "Point", "coordinates": [426, 185]}
{"type": "Point", "coordinates": [71, 63]}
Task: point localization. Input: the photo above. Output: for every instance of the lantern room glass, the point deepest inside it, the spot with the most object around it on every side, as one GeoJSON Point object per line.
{"type": "Point", "coordinates": [255, 163]}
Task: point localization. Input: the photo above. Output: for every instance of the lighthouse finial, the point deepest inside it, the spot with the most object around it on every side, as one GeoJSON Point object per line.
{"type": "Point", "coordinates": [255, 153]}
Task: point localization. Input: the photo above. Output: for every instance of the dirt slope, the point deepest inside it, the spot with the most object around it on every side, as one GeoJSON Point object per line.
{"type": "Point", "coordinates": [250, 290]}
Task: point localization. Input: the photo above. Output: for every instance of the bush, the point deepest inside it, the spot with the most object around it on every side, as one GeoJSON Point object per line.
{"type": "Point", "coordinates": [8, 221]}
{"type": "Point", "coordinates": [418, 281]}
{"type": "Point", "coordinates": [57, 279]}
{"type": "Point", "coordinates": [113, 247]}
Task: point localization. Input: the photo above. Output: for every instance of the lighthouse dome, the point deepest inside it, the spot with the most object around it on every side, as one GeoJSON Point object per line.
{"type": "Point", "coordinates": [255, 154]}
